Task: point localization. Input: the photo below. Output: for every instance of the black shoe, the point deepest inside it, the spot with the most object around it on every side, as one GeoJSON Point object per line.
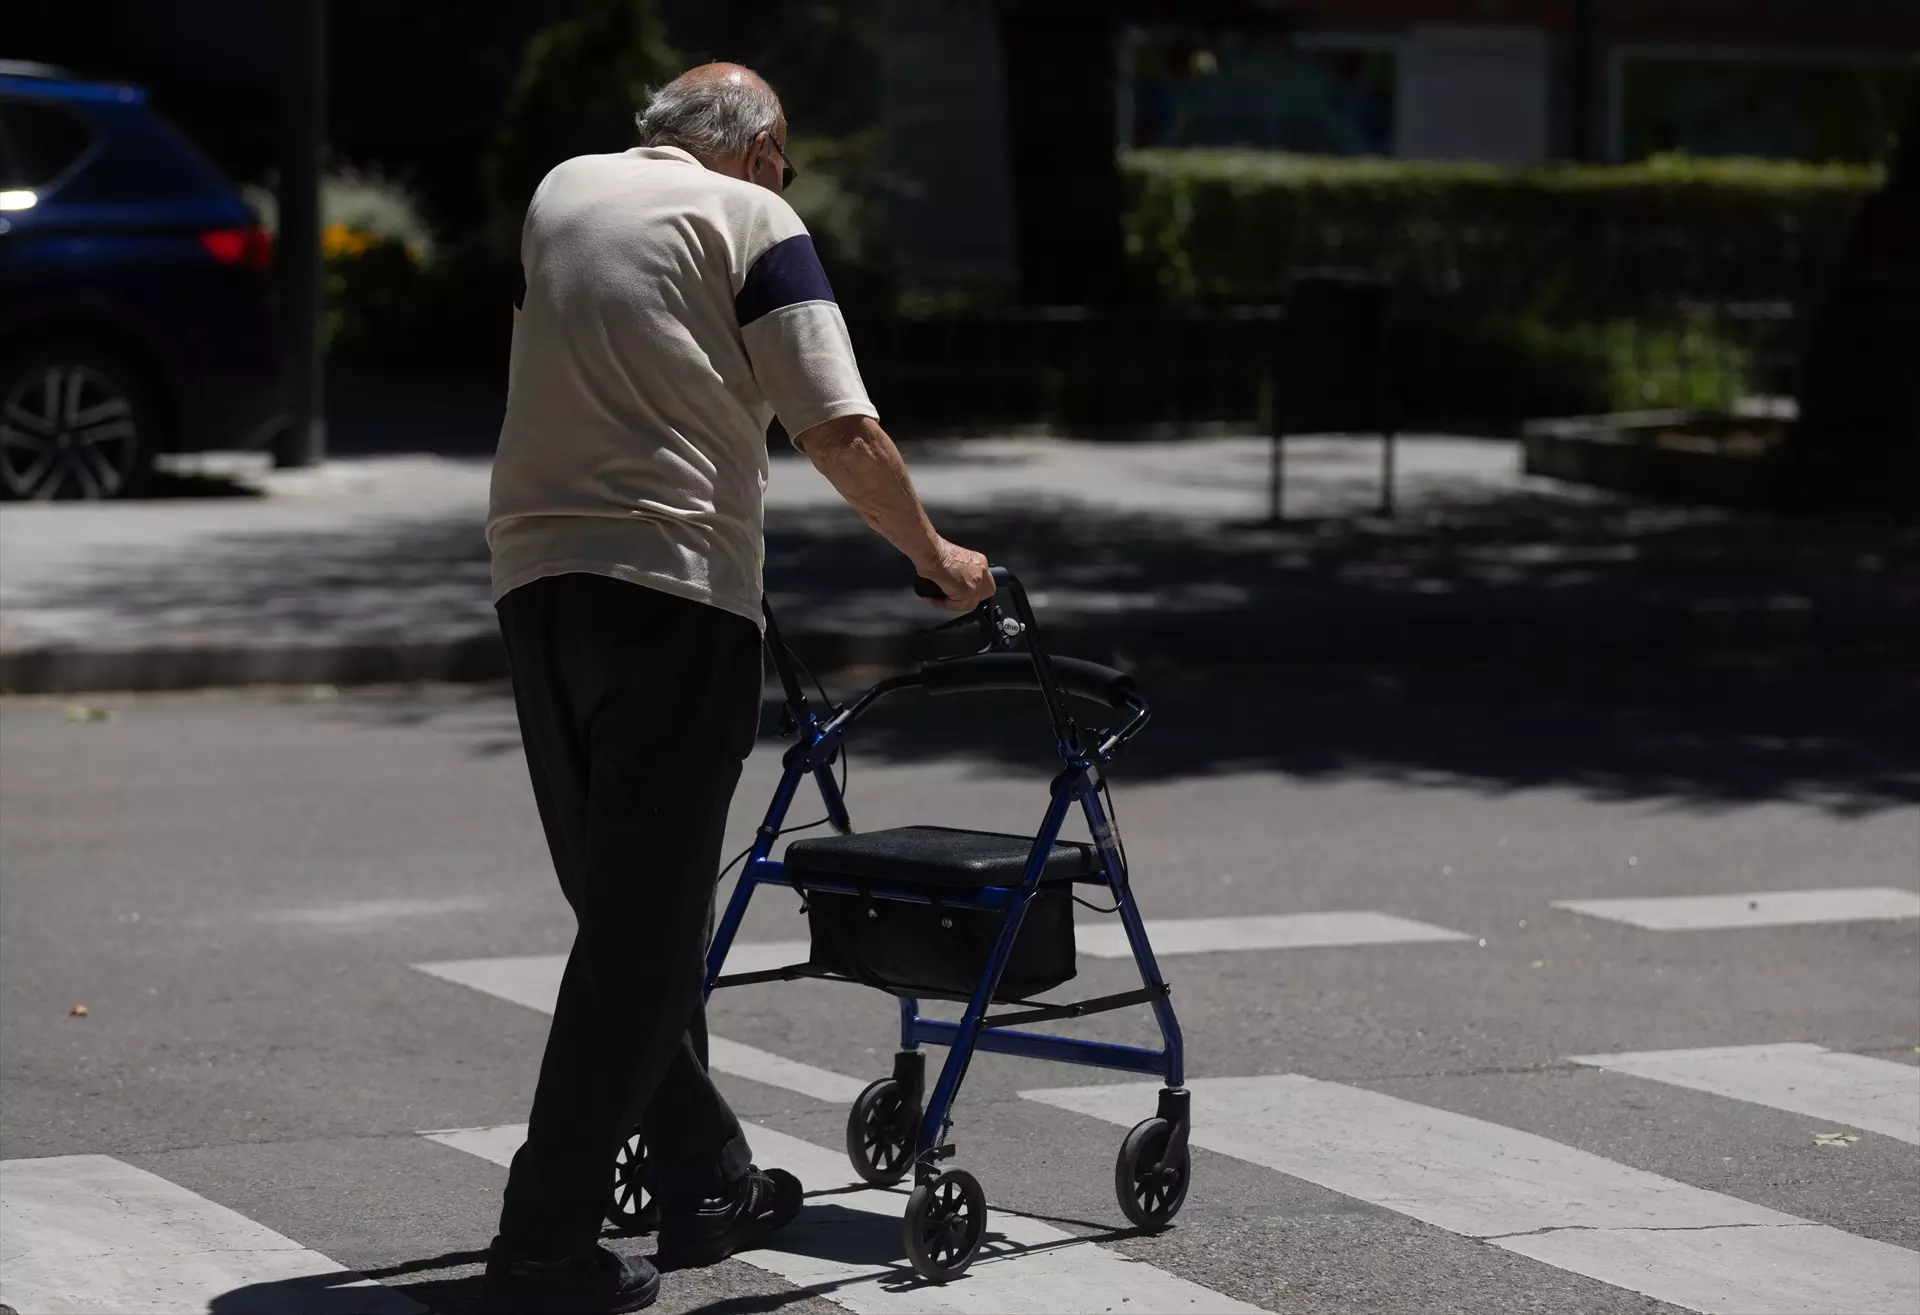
{"type": "Point", "coordinates": [759, 1204]}
{"type": "Point", "coordinates": [595, 1282]}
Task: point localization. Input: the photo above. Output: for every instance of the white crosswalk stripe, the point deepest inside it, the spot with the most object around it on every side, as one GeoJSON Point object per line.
{"type": "Point", "coordinates": [1760, 908]}
{"type": "Point", "coordinates": [1524, 1193]}
{"type": "Point", "coordinates": [1875, 1095]}
{"type": "Point", "coordinates": [1286, 931]}
{"type": "Point", "coordinates": [1170, 937]}
{"type": "Point", "coordinates": [1026, 1265]}
{"type": "Point", "coordinates": [89, 1233]}
{"type": "Point", "coordinates": [534, 981]}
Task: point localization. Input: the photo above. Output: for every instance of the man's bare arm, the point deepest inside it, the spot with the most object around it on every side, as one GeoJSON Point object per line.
{"type": "Point", "coordinates": [862, 463]}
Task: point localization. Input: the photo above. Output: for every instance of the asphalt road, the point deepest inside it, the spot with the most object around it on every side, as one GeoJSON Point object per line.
{"type": "Point", "coordinates": [238, 887]}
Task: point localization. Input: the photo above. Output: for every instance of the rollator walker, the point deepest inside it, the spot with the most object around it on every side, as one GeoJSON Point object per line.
{"type": "Point", "coordinates": [930, 912]}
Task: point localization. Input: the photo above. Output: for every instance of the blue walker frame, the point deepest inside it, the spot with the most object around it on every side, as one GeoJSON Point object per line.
{"type": "Point", "coordinates": [999, 666]}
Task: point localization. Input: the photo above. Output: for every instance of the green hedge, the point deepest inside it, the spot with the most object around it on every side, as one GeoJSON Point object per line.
{"type": "Point", "coordinates": [1501, 370]}
{"type": "Point", "coordinates": [1590, 242]}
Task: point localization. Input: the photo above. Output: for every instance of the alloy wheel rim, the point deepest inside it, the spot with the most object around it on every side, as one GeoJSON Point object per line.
{"type": "Point", "coordinates": [66, 427]}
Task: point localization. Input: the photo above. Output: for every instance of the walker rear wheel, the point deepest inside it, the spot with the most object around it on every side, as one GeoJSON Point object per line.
{"type": "Point", "coordinates": [946, 1220]}
{"type": "Point", "coordinates": [1151, 1193]}
{"type": "Point", "coordinates": [880, 1132]}
{"type": "Point", "coordinates": [632, 1210]}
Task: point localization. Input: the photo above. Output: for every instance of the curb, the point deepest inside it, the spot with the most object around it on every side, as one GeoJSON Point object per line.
{"type": "Point", "coordinates": [66, 669]}
{"type": "Point", "coordinates": [1328, 635]}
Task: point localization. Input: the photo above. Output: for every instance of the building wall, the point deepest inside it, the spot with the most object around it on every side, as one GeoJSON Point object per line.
{"type": "Point", "coordinates": [943, 108]}
{"type": "Point", "coordinates": [1473, 93]}
{"type": "Point", "coordinates": [1496, 79]}
{"type": "Point", "coordinates": [1823, 24]}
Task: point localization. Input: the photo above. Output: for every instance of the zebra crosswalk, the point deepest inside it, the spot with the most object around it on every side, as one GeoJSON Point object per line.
{"type": "Point", "coordinates": [1525, 1193]}
{"type": "Point", "coordinates": [1504, 1187]}
{"type": "Point", "coordinates": [92, 1233]}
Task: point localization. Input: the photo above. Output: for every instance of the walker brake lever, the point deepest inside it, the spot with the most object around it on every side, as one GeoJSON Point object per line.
{"type": "Point", "coordinates": [997, 629]}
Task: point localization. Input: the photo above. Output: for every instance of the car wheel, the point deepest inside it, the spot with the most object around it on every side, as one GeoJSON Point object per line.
{"type": "Point", "coordinates": [75, 423]}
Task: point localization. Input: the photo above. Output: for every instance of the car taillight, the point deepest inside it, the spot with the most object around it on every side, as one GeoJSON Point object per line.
{"type": "Point", "coordinates": [248, 248]}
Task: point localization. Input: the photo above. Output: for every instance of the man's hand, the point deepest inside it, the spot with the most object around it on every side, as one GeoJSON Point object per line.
{"type": "Point", "coordinates": [858, 458]}
{"type": "Point", "coordinates": [962, 574]}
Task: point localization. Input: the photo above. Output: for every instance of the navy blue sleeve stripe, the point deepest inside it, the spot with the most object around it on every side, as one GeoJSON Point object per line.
{"type": "Point", "coordinates": [786, 274]}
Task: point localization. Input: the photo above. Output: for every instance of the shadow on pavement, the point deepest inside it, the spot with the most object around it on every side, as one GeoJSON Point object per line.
{"type": "Point", "coordinates": [340, 1293]}
{"type": "Point", "coordinates": [1468, 575]}
{"type": "Point", "coordinates": [1834, 733]}
{"type": "Point", "coordinates": [1495, 575]}
{"type": "Point", "coordinates": [166, 485]}
{"type": "Point", "coordinates": [1509, 639]}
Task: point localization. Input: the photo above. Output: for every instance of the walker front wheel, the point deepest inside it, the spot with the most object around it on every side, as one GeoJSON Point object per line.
{"type": "Point", "coordinates": [880, 1132]}
{"type": "Point", "coordinates": [946, 1220]}
{"type": "Point", "coordinates": [1151, 1193]}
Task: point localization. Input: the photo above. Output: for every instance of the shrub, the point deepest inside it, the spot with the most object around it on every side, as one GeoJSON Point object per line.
{"type": "Point", "coordinates": [383, 273]}
{"type": "Point", "coordinates": [1562, 241]}
{"type": "Point", "coordinates": [358, 207]}
{"type": "Point", "coordinates": [1685, 366]}
{"type": "Point", "coordinates": [1506, 369]}
{"type": "Point", "coordinates": [579, 84]}
{"type": "Point", "coordinates": [373, 293]}
{"type": "Point", "coordinates": [385, 309]}
{"type": "Point", "coordinates": [836, 195]}
{"type": "Point", "coordinates": [377, 209]}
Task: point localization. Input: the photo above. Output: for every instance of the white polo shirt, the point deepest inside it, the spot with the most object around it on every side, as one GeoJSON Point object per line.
{"type": "Point", "coordinates": [669, 314]}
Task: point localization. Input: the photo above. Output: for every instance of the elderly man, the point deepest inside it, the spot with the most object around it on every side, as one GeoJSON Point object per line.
{"type": "Point", "coordinates": [673, 305]}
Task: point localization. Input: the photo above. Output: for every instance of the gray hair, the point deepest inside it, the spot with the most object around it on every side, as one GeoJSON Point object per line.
{"type": "Point", "coordinates": [708, 118]}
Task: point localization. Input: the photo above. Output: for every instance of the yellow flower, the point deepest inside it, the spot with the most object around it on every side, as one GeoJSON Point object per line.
{"type": "Point", "coordinates": [338, 240]}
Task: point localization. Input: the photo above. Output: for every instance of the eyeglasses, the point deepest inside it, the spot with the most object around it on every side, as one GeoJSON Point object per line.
{"type": "Point", "coordinates": [787, 172]}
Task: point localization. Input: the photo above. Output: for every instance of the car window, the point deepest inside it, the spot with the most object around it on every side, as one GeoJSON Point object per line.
{"type": "Point", "coordinates": [43, 141]}
{"type": "Point", "coordinates": [143, 159]}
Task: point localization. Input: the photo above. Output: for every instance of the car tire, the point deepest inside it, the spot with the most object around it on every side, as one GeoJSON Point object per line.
{"type": "Point", "coordinates": [76, 423]}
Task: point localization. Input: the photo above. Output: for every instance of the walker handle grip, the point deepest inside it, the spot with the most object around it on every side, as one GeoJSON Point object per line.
{"type": "Point", "coordinates": [925, 588]}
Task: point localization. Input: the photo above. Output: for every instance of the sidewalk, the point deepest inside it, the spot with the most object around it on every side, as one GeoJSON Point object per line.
{"type": "Point", "coordinates": [374, 569]}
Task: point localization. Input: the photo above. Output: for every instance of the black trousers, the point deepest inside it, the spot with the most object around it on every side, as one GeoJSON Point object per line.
{"type": "Point", "coordinates": [637, 709]}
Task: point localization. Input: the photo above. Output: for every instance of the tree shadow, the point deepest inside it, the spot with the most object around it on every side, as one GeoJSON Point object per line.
{"type": "Point", "coordinates": [1469, 573]}
{"type": "Point", "coordinates": [168, 485]}
{"type": "Point", "coordinates": [1501, 641]}
{"type": "Point", "coordinates": [1508, 638]}
{"type": "Point", "coordinates": [1833, 733]}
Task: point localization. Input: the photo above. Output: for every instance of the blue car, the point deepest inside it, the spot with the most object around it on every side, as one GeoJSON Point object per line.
{"type": "Point", "coordinates": [137, 307]}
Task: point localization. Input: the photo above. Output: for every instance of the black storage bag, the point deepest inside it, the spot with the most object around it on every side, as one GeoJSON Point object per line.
{"type": "Point", "coordinates": [940, 953]}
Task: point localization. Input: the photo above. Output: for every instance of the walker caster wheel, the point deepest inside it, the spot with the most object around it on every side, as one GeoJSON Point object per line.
{"type": "Point", "coordinates": [880, 1133]}
{"type": "Point", "coordinates": [946, 1220]}
{"type": "Point", "coordinates": [1150, 1193]}
{"type": "Point", "coordinates": [632, 1210]}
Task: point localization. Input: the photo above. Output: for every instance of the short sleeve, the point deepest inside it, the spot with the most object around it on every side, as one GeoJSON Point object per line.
{"type": "Point", "coordinates": [797, 340]}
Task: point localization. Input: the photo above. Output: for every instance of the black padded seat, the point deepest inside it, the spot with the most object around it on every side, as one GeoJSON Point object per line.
{"type": "Point", "coordinates": [935, 856]}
